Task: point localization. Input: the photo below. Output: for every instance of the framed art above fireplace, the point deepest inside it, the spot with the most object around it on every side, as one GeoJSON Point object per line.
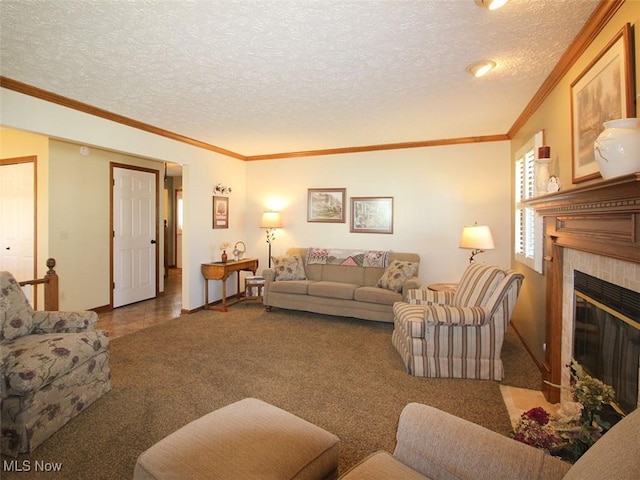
{"type": "Point", "coordinates": [605, 90]}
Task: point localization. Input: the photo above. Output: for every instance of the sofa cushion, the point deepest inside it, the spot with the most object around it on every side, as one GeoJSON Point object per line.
{"type": "Point", "coordinates": [396, 274]}
{"type": "Point", "coordinates": [314, 272]}
{"type": "Point", "coordinates": [289, 267]}
{"type": "Point", "coordinates": [33, 361]}
{"type": "Point", "coordinates": [477, 284]}
{"type": "Point", "coordinates": [332, 290]}
{"type": "Point", "coordinates": [297, 287]}
{"type": "Point", "coordinates": [381, 296]}
{"type": "Point", "coordinates": [16, 315]}
{"type": "Point", "coordinates": [381, 465]}
{"type": "Point", "coordinates": [338, 273]}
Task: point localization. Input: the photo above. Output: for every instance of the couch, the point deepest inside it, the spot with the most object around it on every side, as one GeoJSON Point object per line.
{"type": "Point", "coordinates": [53, 365]}
{"type": "Point", "coordinates": [432, 444]}
{"type": "Point", "coordinates": [458, 333]}
{"type": "Point", "coordinates": [348, 283]}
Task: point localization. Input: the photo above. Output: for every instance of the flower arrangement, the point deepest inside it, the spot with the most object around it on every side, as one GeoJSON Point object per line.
{"type": "Point", "coordinates": [225, 246]}
{"type": "Point", "coordinates": [220, 188]}
{"type": "Point", "coordinates": [576, 426]}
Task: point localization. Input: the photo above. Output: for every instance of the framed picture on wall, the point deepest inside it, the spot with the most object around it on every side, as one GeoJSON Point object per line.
{"type": "Point", "coordinates": [220, 212]}
{"type": "Point", "coordinates": [371, 215]}
{"type": "Point", "coordinates": [603, 91]}
{"type": "Point", "coordinates": [326, 205]}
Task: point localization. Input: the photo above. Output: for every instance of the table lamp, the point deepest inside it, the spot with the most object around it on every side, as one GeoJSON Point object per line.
{"type": "Point", "coordinates": [476, 238]}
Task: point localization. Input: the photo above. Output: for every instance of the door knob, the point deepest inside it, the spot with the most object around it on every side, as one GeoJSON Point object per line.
{"type": "Point", "coordinates": [153, 242]}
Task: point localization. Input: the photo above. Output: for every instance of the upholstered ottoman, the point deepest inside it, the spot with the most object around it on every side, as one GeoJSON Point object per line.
{"type": "Point", "coordinates": [249, 439]}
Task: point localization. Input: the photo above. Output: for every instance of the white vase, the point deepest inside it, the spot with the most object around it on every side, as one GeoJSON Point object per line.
{"type": "Point", "coordinates": [617, 148]}
{"type": "Point", "coordinates": [542, 175]}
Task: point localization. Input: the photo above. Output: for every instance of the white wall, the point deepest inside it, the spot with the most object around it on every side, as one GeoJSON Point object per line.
{"type": "Point", "coordinates": [202, 171]}
{"type": "Point", "coordinates": [80, 214]}
{"type": "Point", "coordinates": [436, 191]}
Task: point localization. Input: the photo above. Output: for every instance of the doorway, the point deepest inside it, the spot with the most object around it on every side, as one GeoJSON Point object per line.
{"type": "Point", "coordinates": [134, 222]}
{"type": "Point", "coordinates": [18, 217]}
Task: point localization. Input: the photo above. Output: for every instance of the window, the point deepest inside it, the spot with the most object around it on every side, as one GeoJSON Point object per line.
{"type": "Point", "coordinates": [528, 225]}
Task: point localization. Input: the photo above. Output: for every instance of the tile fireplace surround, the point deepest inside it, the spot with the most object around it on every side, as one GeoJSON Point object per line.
{"type": "Point", "coordinates": [618, 272]}
{"type": "Point", "coordinates": [594, 229]}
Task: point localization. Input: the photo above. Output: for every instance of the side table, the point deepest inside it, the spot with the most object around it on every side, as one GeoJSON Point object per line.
{"type": "Point", "coordinates": [221, 271]}
{"type": "Point", "coordinates": [442, 287]}
{"type": "Point", "coordinates": [251, 283]}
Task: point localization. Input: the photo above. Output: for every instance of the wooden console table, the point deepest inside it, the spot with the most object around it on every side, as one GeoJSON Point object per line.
{"type": "Point", "coordinates": [221, 271]}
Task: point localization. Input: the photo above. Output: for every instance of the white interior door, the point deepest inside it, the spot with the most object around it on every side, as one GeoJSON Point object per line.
{"type": "Point", "coordinates": [17, 217]}
{"type": "Point", "coordinates": [179, 218]}
{"type": "Point", "coordinates": [134, 235]}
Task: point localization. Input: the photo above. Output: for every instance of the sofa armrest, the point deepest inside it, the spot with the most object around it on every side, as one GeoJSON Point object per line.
{"type": "Point", "coordinates": [412, 284]}
{"type": "Point", "coordinates": [64, 322]}
{"type": "Point", "coordinates": [442, 446]}
{"type": "Point", "coordinates": [269, 274]}
{"type": "Point", "coordinates": [429, 297]}
{"type": "Point", "coordinates": [448, 315]}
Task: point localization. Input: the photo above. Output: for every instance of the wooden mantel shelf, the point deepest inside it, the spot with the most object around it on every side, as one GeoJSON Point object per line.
{"type": "Point", "coordinates": [602, 218]}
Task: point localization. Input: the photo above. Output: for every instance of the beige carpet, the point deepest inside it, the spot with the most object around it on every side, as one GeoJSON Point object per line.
{"type": "Point", "coordinates": [341, 374]}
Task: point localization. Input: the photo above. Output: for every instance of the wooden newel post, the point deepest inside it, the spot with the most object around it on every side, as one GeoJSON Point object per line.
{"type": "Point", "coordinates": [51, 288]}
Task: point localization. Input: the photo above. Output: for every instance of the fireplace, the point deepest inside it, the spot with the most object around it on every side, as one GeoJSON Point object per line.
{"type": "Point", "coordinates": [594, 229]}
{"type": "Point", "coordinates": [606, 335]}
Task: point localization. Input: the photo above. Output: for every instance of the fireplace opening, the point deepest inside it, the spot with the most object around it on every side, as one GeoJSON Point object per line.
{"type": "Point", "coordinates": [606, 340]}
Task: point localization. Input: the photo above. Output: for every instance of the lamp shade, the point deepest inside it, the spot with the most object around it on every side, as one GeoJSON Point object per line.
{"type": "Point", "coordinates": [270, 220]}
{"type": "Point", "coordinates": [476, 237]}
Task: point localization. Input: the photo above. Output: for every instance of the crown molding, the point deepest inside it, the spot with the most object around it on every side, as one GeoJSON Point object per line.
{"type": "Point", "coordinates": [36, 92]}
{"type": "Point", "coordinates": [600, 17]}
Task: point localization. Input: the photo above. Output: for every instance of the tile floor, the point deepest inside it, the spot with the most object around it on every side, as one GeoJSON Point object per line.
{"type": "Point", "coordinates": [519, 400]}
{"type": "Point", "coordinates": [131, 318]}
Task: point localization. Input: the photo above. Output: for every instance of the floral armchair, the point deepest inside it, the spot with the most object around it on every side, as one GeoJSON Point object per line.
{"type": "Point", "coordinates": [53, 365]}
{"type": "Point", "coordinates": [459, 333]}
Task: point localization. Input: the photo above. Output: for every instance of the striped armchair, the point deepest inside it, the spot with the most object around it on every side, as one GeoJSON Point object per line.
{"type": "Point", "coordinates": [458, 334]}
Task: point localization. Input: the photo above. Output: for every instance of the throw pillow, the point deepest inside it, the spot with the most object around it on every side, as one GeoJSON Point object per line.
{"type": "Point", "coordinates": [288, 267]}
{"type": "Point", "coordinates": [396, 274]}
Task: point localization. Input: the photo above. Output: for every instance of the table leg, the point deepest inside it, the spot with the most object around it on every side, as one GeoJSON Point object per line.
{"type": "Point", "coordinates": [224, 294]}
{"type": "Point", "coordinates": [206, 293]}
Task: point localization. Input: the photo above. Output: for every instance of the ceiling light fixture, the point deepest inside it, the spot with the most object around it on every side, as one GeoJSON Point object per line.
{"type": "Point", "coordinates": [479, 69]}
{"type": "Point", "coordinates": [491, 4]}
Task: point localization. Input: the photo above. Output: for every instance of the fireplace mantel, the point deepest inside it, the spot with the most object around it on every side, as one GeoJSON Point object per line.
{"type": "Point", "coordinates": [601, 218]}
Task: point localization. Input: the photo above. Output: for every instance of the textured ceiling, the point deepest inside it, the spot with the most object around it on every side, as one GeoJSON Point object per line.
{"type": "Point", "coordinates": [272, 76]}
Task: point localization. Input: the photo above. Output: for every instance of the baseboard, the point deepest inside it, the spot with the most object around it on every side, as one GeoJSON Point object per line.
{"type": "Point", "coordinates": [526, 347]}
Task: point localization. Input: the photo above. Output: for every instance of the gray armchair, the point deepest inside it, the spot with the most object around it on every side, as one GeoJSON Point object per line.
{"type": "Point", "coordinates": [53, 365]}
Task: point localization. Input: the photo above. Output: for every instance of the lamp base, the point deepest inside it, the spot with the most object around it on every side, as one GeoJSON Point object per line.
{"type": "Point", "coordinates": [474, 253]}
